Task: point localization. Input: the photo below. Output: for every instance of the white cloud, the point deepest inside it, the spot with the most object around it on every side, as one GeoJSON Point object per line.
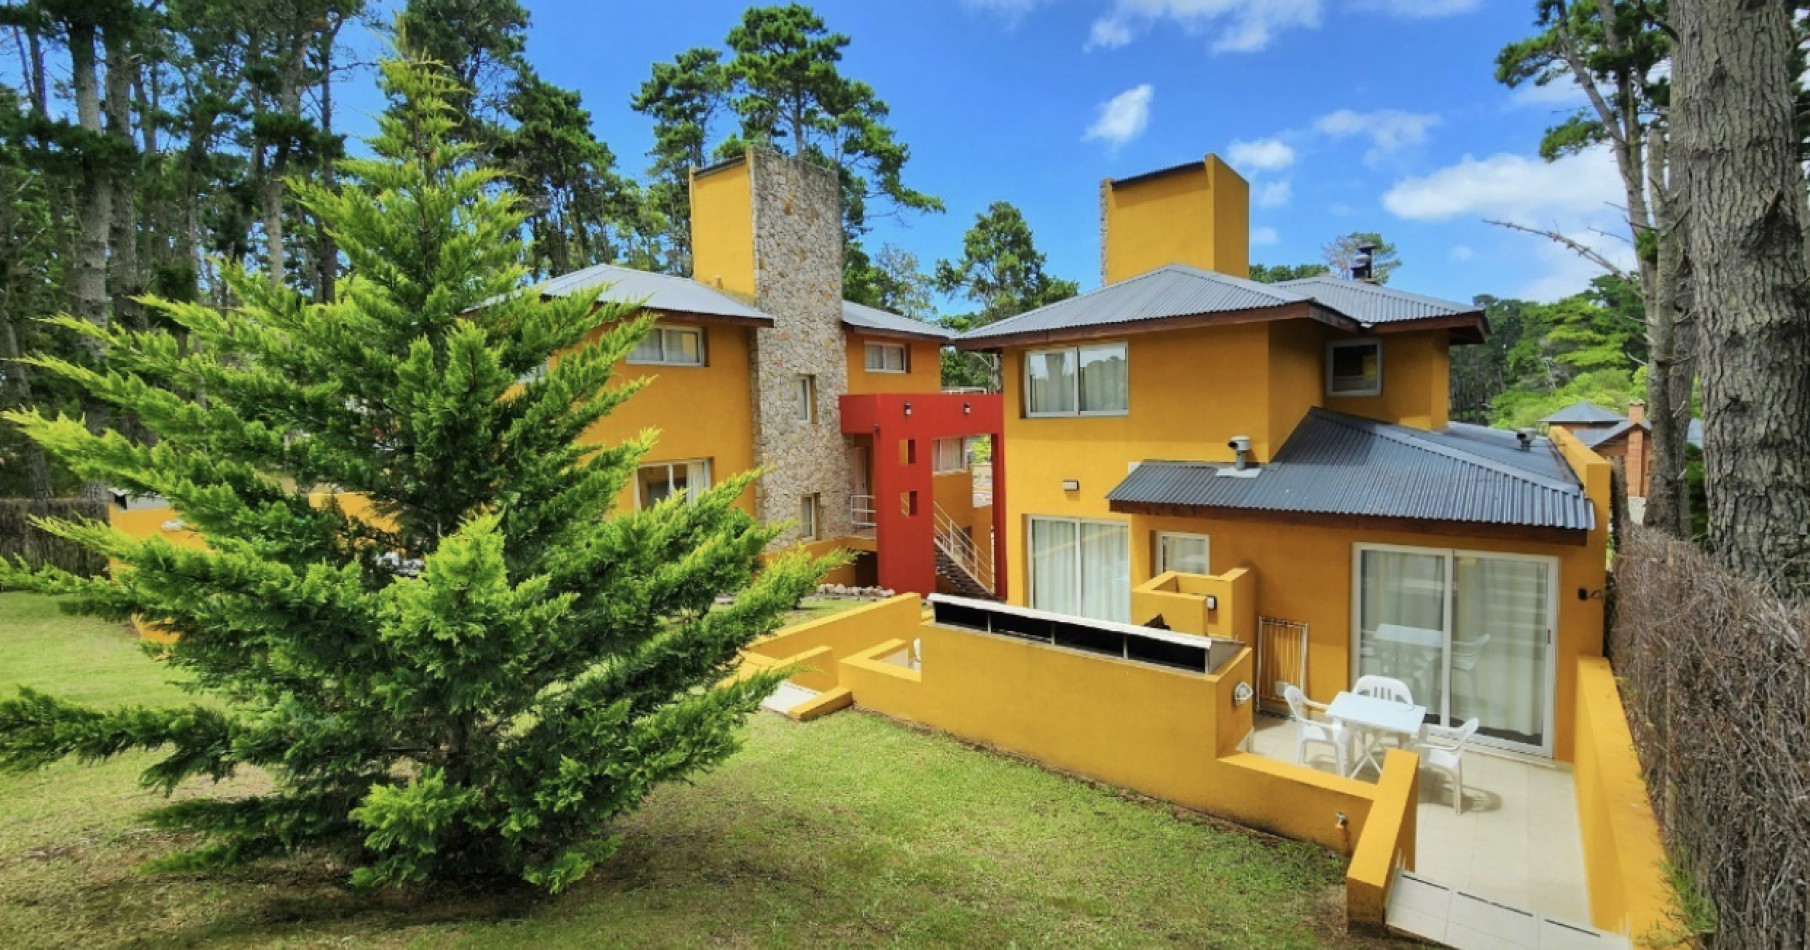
{"type": "Point", "coordinates": [1123, 117]}
{"type": "Point", "coordinates": [1509, 186]}
{"type": "Point", "coordinates": [1010, 9]}
{"type": "Point", "coordinates": [1558, 94]}
{"type": "Point", "coordinates": [1389, 130]}
{"type": "Point", "coordinates": [1274, 194]}
{"type": "Point", "coordinates": [1237, 26]}
{"type": "Point", "coordinates": [1263, 155]}
{"type": "Point", "coordinates": [1264, 236]}
{"type": "Point", "coordinates": [1461, 252]}
{"type": "Point", "coordinates": [1577, 196]}
{"type": "Point", "coordinates": [1419, 9]}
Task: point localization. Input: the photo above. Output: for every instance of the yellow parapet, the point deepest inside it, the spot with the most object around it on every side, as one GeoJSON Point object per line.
{"type": "Point", "coordinates": [1623, 856]}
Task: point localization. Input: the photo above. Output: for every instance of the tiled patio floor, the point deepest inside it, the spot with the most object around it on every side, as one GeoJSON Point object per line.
{"type": "Point", "coordinates": [1517, 842]}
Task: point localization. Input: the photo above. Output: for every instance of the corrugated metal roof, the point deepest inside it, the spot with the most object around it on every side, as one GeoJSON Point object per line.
{"type": "Point", "coordinates": [863, 317]}
{"type": "Point", "coordinates": [1373, 303]}
{"type": "Point", "coordinates": [661, 291]}
{"type": "Point", "coordinates": [1344, 465]}
{"type": "Point", "coordinates": [1593, 437]}
{"type": "Point", "coordinates": [1174, 290]}
{"type": "Point", "coordinates": [1585, 413]}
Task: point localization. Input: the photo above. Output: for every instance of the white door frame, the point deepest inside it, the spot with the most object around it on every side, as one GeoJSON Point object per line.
{"type": "Point", "coordinates": [1451, 586]}
{"type": "Point", "coordinates": [1030, 571]}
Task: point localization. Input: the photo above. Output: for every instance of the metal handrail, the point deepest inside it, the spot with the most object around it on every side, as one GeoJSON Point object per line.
{"type": "Point", "coordinates": [973, 558]}
{"type": "Point", "coordinates": [861, 511]}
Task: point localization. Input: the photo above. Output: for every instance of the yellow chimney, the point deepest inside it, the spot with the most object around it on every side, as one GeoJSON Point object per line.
{"type": "Point", "coordinates": [1197, 214]}
{"type": "Point", "coordinates": [722, 227]}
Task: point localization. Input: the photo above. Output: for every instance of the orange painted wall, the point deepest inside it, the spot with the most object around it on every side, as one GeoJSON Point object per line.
{"type": "Point", "coordinates": [924, 362]}
{"type": "Point", "coordinates": [700, 411]}
{"type": "Point", "coordinates": [722, 229]}
{"type": "Point", "coordinates": [1198, 215]}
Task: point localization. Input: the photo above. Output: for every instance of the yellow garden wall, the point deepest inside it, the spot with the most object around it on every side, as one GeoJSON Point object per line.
{"type": "Point", "coordinates": [1629, 892]}
{"type": "Point", "coordinates": [1181, 600]}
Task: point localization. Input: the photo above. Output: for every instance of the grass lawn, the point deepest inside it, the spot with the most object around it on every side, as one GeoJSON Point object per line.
{"type": "Point", "coordinates": [850, 830]}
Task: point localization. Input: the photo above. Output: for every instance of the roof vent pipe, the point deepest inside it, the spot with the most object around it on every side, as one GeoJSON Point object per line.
{"type": "Point", "coordinates": [1525, 438]}
{"type": "Point", "coordinates": [1241, 448]}
{"type": "Point", "coordinates": [1363, 265]}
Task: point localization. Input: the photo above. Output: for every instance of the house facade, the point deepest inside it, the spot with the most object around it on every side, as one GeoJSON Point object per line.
{"type": "Point", "coordinates": [758, 362]}
{"type": "Point", "coordinates": [1184, 422]}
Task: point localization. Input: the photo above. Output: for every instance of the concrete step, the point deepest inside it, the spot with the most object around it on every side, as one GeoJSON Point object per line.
{"type": "Point", "coordinates": [1428, 910]}
{"type": "Point", "coordinates": [788, 695]}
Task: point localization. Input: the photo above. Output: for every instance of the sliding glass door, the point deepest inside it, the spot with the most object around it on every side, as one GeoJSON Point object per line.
{"type": "Point", "coordinates": [1469, 632]}
{"type": "Point", "coordinates": [1081, 568]}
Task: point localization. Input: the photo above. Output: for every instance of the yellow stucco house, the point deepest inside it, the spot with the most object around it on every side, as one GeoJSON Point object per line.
{"type": "Point", "coordinates": [1274, 462]}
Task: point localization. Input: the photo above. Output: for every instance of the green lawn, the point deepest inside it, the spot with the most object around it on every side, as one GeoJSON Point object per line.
{"type": "Point", "coordinates": [850, 830]}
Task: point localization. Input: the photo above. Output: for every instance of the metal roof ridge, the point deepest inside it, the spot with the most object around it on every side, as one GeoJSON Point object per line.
{"type": "Point", "coordinates": [1380, 290]}
{"type": "Point", "coordinates": [1402, 435]}
{"type": "Point", "coordinates": [999, 327]}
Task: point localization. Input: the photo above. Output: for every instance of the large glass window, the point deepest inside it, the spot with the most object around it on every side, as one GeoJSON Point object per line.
{"type": "Point", "coordinates": [1077, 380]}
{"type": "Point", "coordinates": [657, 482]}
{"type": "Point", "coordinates": [951, 455]}
{"type": "Point", "coordinates": [887, 358]}
{"type": "Point", "coordinates": [670, 346]}
{"type": "Point", "coordinates": [1081, 568]}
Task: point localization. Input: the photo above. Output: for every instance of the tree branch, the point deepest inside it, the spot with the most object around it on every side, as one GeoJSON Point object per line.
{"type": "Point", "coordinates": [1577, 247]}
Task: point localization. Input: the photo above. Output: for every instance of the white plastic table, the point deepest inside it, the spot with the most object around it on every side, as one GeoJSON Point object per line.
{"type": "Point", "coordinates": [1373, 716]}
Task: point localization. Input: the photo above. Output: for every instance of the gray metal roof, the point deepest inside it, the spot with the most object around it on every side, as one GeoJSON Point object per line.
{"type": "Point", "coordinates": [863, 317]}
{"type": "Point", "coordinates": [1596, 435]}
{"type": "Point", "coordinates": [1374, 303]}
{"type": "Point", "coordinates": [1338, 464]}
{"type": "Point", "coordinates": [1585, 413]}
{"type": "Point", "coordinates": [1174, 290]}
{"type": "Point", "coordinates": [661, 292]}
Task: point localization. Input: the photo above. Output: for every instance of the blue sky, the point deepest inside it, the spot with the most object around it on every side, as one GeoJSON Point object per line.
{"type": "Point", "coordinates": [1344, 114]}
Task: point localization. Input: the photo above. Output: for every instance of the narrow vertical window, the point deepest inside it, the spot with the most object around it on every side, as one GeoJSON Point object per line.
{"type": "Point", "coordinates": [807, 399]}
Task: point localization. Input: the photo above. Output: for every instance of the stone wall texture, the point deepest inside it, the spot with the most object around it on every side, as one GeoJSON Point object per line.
{"type": "Point", "coordinates": [798, 282]}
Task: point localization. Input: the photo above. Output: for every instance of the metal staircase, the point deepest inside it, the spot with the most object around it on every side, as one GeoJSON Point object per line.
{"type": "Point", "coordinates": [963, 564]}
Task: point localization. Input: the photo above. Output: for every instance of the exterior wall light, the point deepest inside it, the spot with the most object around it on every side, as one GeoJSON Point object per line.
{"type": "Point", "coordinates": [908, 409]}
{"type": "Point", "coordinates": [1212, 602]}
{"type": "Point", "coordinates": [967, 408]}
{"type": "Point", "coordinates": [1241, 693]}
{"type": "Point", "coordinates": [1071, 484]}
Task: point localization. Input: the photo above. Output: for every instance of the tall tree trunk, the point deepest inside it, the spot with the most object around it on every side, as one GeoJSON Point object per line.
{"type": "Point", "coordinates": [1669, 367]}
{"type": "Point", "coordinates": [326, 252]}
{"type": "Point", "coordinates": [95, 209]}
{"type": "Point", "coordinates": [18, 394]}
{"type": "Point", "coordinates": [1733, 112]}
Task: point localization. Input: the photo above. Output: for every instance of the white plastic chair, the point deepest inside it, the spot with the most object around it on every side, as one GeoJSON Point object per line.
{"type": "Point", "coordinates": [1443, 751]}
{"type": "Point", "coordinates": [1464, 661]}
{"type": "Point", "coordinates": [1384, 687]}
{"type": "Point", "coordinates": [1311, 731]}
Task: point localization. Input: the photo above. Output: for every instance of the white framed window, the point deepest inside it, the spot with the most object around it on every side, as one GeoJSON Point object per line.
{"type": "Point", "coordinates": [670, 346]}
{"type": "Point", "coordinates": [949, 455]}
{"type": "Point", "coordinates": [1081, 568]}
{"type": "Point", "coordinates": [807, 516]}
{"type": "Point", "coordinates": [1184, 553]}
{"type": "Point", "coordinates": [807, 399]}
{"type": "Point", "coordinates": [888, 358]}
{"type": "Point", "coordinates": [1354, 368]}
{"type": "Point", "coordinates": [1088, 380]}
{"type": "Point", "coordinates": [658, 481]}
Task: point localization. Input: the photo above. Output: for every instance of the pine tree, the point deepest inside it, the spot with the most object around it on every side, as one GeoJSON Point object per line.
{"type": "Point", "coordinates": [483, 670]}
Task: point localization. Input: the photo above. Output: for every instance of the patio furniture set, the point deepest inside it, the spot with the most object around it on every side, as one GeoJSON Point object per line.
{"type": "Point", "coordinates": [1376, 714]}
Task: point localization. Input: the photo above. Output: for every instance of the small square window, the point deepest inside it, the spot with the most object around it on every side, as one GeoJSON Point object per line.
{"type": "Point", "coordinates": [1354, 368]}
{"type": "Point", "coordinates": [888, 358]}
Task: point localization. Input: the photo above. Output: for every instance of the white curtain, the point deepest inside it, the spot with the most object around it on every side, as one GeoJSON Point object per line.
{"type": "Point", "coordinates": [1507, 600]}
{"type": "Point", "coordinates": [1105, 571]}
{"type": "Point", "coordinates": [1055, 564]}
{"type": "Point", "coordinates": [1105, 386]}
{"type": "Point", "coordinates": [1052, 380]}
{"type": "Point", "coordinates": [1184, 553]}
{"type": "Point", "coordinates": [1407, 589]}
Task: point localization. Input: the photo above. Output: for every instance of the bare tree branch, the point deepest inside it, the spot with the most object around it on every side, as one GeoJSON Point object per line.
{"type": "Point", "coordinates": [1577, 247]}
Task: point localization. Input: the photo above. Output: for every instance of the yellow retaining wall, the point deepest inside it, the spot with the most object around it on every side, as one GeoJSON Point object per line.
{"type": "Point", "coordinates": [1181, 600]}
{"type": "Point", "coordinates": [1170, 734]}
{"type": "Point", "coordinates": [1629, 892]}
{"type": "Point", "coordinates": [838, 636]}
{"type": "Point", "coordinates": [1388, 842]}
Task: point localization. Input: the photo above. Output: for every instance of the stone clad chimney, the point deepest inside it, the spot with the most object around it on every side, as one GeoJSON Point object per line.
{"type": "Point", "coordinates": [768, 228]}
{"type": "Point", "coordinates": [1197, 214]}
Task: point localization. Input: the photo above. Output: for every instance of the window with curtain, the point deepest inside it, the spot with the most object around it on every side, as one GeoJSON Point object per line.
{"type": "Point", "coordinates": [949, 455]}
{"type": "Point", "coordinates": [1500, 624]}
{"type": "Point", "coordinates": [1186, 553]}
{"type": "Point", "coordinates": [659, 481]}
{"type": "Point", "coordinates": [887, 358]}
{"type": "Point", "coordinates": [1077, 380]}
{"type": "Point", "coordinates": [1081, 568]}
{"type": "Point", "coordinates": [670, 346]}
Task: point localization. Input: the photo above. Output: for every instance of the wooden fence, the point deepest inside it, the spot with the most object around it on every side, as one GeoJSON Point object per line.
{"type": "Point", "coordinates": [1715, 673]}
{"type": "Point", "coordinates": [19, 538]}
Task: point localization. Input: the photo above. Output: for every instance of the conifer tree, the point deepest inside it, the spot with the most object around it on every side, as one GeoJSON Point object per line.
{"type": "Point", "coordinates": [481, 670]}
